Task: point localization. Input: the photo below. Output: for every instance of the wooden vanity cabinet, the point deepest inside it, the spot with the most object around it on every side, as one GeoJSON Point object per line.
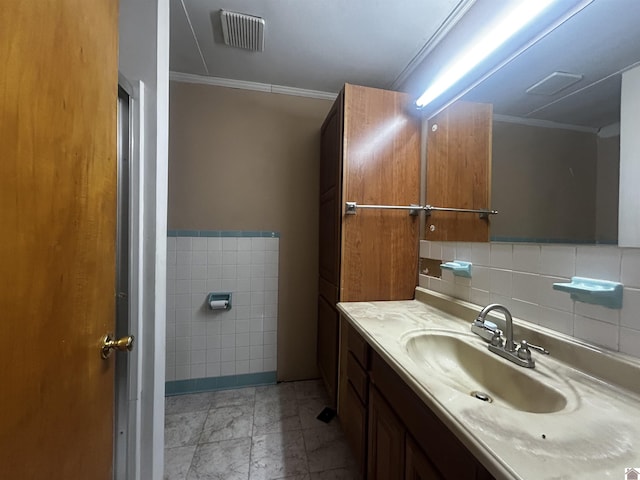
{"type": "Point", "coordinates": [386, 442]}
{"type": "Point", "coordinates": [355, 428]}
{"type": "Point", "coordinates": [404, 439]}
{"type": "Point", "coordinates": [417, 464]}
{"type": "Point", "coordinates": [369, 154]}
{"type": "Point", "coordinates": [354, 400]}
{"type": "Point", "coordinates": [327, 355]}
{"type": "Point", "coordinates": [435, 451]}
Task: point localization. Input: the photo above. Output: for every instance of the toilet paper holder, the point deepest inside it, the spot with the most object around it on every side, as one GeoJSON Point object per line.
{"type": "Point", "coordinates": [219, 301]}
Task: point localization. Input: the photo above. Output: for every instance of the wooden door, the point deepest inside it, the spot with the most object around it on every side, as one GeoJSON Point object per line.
{"type": "Point", "coordinates": [381, 150]}
{"type": "Point", "coordinates": [459, 171]}
{"type": "Point", "coordinates": [58, 90]}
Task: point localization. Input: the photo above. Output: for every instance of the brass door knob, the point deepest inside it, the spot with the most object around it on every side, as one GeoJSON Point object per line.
{"type": "Point", "coordinates": [124, 344]}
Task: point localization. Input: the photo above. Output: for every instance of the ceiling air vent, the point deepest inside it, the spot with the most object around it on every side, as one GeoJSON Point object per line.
{"type": "Point", "coordinates": [242, 31]}
{"type": "Point", "coordinates": [554, 83]}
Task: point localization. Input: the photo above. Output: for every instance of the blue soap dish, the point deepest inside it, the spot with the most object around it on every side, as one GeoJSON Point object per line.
{"type": "Point", "coordinates": [590, 290]}
{"type": "Point", "coordinates": [458, 267]}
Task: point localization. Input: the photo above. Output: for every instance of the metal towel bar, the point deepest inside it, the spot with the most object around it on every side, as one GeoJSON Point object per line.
{"type": "Point", "coordinates": [352, 208]}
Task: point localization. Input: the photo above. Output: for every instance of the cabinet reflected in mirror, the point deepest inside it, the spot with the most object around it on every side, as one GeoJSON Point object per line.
{"type": "Point", "coordinates": [556, 146]}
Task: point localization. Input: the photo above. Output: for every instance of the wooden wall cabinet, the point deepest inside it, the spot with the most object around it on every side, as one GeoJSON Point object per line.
{"type": "Point", "coordinates": [459, 143]}
{"type": "Point", "coordinates": [370, 154]}
{"type": "Point", "coordinates": [404, 439]}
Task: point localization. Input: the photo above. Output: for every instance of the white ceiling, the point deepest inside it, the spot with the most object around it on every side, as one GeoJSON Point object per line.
{"type": "Point", "coordinates": [321, 44]}
{"type": "Point", "coordinates": [309, 44]}
{"type": "Point", "coordinates": [598, 42]}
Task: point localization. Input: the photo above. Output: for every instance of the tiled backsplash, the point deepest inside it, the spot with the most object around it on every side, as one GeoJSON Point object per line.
{"type": "Point", "coordinates": [521, 276]}
{"type": "Point", "coordinates": [204, 343]}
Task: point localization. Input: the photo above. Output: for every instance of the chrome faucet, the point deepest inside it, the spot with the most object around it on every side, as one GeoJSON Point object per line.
{"type": "Point", "coordinates": [520, 355]}
{"type": "Point", "coordinates": [508, 342]}
{"type": "Point", "coordinates": [485, 329]}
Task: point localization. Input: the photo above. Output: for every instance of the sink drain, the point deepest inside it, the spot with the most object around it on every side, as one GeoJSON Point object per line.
{"type": "Point", "coordinates": [481, 396]}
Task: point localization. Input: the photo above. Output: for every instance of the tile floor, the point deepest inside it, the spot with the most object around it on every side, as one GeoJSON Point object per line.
{"type": "Point", "coordinates": [255, 433]}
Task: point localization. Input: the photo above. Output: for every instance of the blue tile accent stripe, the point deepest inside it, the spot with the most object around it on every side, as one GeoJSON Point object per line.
{"type": "Point", "coordinates": [551, 240]}
{"type": "Point", "coordinates": [196, 385]}
{"type": "Point", "coordinates": [222, 233]}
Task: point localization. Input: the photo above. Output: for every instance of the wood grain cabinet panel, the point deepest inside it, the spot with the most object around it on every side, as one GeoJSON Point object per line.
{"type": "Point", "coordinates": [354, 423]}
{"type": "Point", "coordinates": [358, 347]}
{"type": "Point", "coordinates": [327, 345]}
{"type": "Point", "coordinates": [404, 438]}
{"type": "Point", "coordinates": [330, 194]}
{"type": "Point", "coordinates": [354, 392]}
{"type": "Point", "coordinates": [386, 440]}
{"type": "Point", "coordinates": [370, 154]}
{"type": "Point", "coordinates": [329, 247]}
{"type": "Point", "coordinates": [381, 166]}
{"type": "Point", "coordinates": [448, 456]}
{"type": "Point", "coordinates": [459, 171]}
{"type": "Point", "coordinates": [358, 378]}
{"type": "Point", "coordinates": [417, 465]}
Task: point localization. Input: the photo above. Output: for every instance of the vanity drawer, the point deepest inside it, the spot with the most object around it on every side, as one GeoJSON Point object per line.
{"type": "Point", "coordinates": [358, 378]}
{"type": "Point", "coordinates": [358, 347]}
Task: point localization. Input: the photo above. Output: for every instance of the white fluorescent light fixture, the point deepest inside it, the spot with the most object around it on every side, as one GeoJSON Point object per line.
{"type": "Point", "coordinates": [509, 24]}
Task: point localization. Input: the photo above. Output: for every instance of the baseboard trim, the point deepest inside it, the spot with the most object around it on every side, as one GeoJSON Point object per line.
{"type": "Point", "coordinates": [198, 385]}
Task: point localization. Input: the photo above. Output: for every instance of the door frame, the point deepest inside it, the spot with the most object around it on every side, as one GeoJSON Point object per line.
{"type": "Point", "coordinates": [145, 383]}
{"type": "Point", "coordinates": [144, 59]}
{"type": "Point", "coordinates": [127, 379]}
{"type": "Point", "coordinates": [141, 409]}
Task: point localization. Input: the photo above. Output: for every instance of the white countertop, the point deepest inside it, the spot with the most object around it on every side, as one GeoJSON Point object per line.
{"type": "Point", "coordinates": [595, 436]}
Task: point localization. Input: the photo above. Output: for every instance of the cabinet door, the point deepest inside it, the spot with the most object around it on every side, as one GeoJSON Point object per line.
{"type": "Point", "coordinates": [444, 450]}
{"type": "Point", "coordinates": [418, 466]}
{"type": "Point", "coordinates": [354, 421]}
{"type": "Point", "coordinates": [330, 194]}
{"type": "Point", "coordinates": [459, 171]}
{"type": "Point", "coordinates": [386, 441]}
{"type": "Point", "coordinates": [381, 158]}
{"type": "Point", "coordinates": [328, 346]}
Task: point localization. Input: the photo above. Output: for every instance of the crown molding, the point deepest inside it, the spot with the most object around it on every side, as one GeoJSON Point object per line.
{"type": "Point", "coordinates": [532, 122]}
{"type": "Point", "coordinates": [255, 86]}
{"type": "Point", "coordinates": [451, 21]}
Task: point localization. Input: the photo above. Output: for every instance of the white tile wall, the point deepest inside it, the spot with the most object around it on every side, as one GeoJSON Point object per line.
{"type": "Point", "coordinates": [205, 343]}
{"type": "Point", "coordinates": [521, 276]}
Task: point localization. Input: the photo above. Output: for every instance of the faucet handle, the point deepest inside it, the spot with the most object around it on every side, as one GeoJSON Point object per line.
{"type": "Point", "coordinates": [523, 351]}
{"type": "Point", "coordinates": [496, 339]}
{"type": "Point", "coordinates": [539, 349]}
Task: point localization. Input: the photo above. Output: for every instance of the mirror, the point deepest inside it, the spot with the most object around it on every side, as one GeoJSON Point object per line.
{"type": "Point", "coordinates": [556, 130]}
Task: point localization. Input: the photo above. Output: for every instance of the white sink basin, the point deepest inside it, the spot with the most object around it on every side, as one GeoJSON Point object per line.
{"type": "Point", "coordinates": [462, 364]}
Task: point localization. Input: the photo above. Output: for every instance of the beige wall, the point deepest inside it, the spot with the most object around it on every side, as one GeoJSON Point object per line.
{"type": "Point", "coordinates": [245, 160]}
{"type": "Point", "coordinates": [607, 189]}
{"type": "Point", "coordinates": [543, 183]}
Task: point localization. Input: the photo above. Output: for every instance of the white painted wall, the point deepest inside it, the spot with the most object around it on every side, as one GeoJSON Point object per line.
{"type": "Point", "coordinates": [628, 213]}
{"type": "Point", "coordinates": [144, 59]}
